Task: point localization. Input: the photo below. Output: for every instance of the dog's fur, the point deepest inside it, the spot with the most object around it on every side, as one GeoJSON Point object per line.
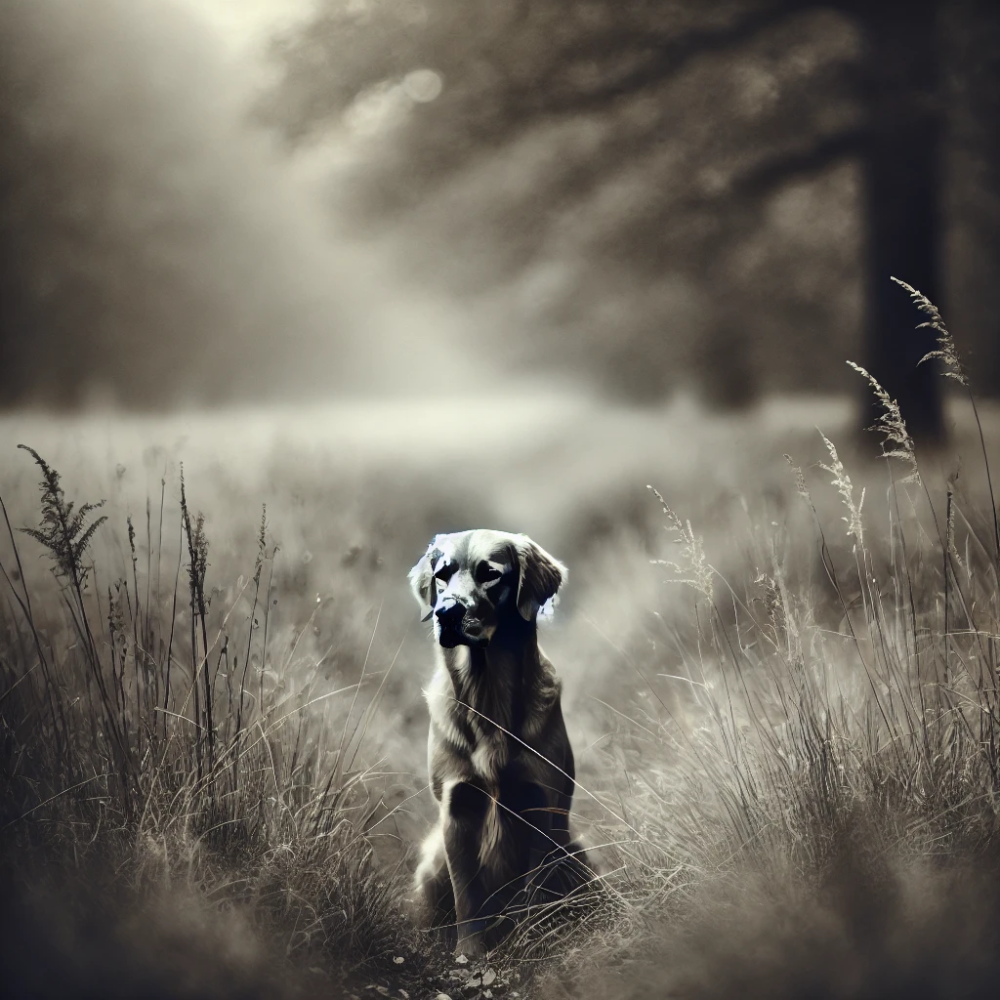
{"type": "Point", "coordinates": [500, 761]}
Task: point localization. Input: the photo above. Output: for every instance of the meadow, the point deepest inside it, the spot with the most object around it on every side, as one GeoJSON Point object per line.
{"type": "Point", "coordinates": [780, 680]}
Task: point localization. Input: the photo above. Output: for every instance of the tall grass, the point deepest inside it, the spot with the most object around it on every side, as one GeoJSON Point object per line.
{"type": "Point", "coordinates": [824, 815]}
{"type": "Point", "coordinates": [203, 766]}
{"type": "Point", "coordinates": [811, 784]}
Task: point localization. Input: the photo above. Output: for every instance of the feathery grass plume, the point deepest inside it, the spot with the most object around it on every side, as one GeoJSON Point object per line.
{"type": "Point", "coordinates": [947, 352]}
{"type": "Point", "coordinates": [778, 608]}
{"type": "Point", "coordinates": [896, 440]}
{"type": "Point", "coordinates": [846, 490]}
{"type": "Point", "coordinates": [197, 544]}
{"type": "Point", "coordinates": [950, 542]}
{"type": "Point", "coordinates": [61, 531]}
{"type": "Point", "coordinates": [65, 535]}
{"type": "Point", "coordinates": [800, 482]}
{"type": "Point", "coordinates": [131, 538]}
{"type": "Point", "coordinates": [693, 569]}
{"type": "Point", "coordinates": [261, 543]}
{"type": "Point", "coordinates": [118, 637]}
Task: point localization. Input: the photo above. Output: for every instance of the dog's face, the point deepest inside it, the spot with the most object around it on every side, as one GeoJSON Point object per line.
{"type": "Point", "coordinates": [476, 582]}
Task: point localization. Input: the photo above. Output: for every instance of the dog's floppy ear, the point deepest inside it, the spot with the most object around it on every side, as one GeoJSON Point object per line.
{"type": "Point", "coordinates": [541, 576]}
{"type": "Point", "coordinates": [422, 577]}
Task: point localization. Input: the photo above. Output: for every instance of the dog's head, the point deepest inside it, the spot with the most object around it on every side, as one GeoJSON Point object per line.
{"type": "Point", "coordinates": [478, 583]}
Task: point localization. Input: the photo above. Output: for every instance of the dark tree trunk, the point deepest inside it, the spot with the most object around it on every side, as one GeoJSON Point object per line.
{"type": "Point", "coordinates": [901, 170]}
{"type": "Point", "coordinates": [728, 373]}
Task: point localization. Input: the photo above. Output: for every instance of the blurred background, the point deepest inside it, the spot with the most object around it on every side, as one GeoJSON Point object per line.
{"type": "Point", "coordinates": [218, 201]}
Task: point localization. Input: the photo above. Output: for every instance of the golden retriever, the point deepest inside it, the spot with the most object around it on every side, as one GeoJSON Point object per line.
{"type": "Point", "coordinates": [500, 761]}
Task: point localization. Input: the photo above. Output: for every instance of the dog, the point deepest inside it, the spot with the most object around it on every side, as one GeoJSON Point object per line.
{"type": "Point", "coordinates": [500, 762]}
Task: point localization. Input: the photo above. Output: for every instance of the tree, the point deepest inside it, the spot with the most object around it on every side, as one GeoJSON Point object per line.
{"type": "Point", "coordinates": [902, 191]}
{"type": "Point", "coordinates": [866, 90]}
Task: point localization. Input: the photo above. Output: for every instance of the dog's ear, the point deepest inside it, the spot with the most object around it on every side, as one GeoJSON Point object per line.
{"type": "Point", "coordinates": [541, 576]}
{"type": "Point", "coordinates": [422, 577]}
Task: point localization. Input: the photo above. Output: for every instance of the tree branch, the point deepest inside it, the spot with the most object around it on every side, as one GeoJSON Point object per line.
{"type": "Point", "coordinates": [670, 55]}
{"type": "Point", "coordinates": [769, 175]}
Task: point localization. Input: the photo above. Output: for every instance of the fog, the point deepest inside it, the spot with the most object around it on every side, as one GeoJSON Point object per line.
{"type": "Point", "coordinates": [289, 287]}
{"type": "Point", "coordinates": [159, 247]}
{"type": "Point", "coordinates": [213, 202]}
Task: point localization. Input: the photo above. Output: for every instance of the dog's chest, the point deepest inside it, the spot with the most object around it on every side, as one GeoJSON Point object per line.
{"type": "Point", "coordinates": [490, 756]}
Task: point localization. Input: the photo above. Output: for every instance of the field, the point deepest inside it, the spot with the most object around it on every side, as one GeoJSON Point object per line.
{"type": "Point", "coordinates": [782, 699]}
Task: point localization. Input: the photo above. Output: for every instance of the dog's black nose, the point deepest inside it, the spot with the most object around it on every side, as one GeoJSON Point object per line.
{"type": "Point", "coordinates": [449, 613]}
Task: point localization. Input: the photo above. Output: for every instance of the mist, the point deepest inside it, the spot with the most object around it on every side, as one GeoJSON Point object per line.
{"type": "Point", "coordinates": [162, 249]}
{"type": "Point", "coordinates": [290, 287]}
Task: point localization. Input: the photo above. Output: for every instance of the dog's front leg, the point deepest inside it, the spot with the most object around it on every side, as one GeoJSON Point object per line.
{"type": "Point", "coordinates": [467, 809]}
{"type": "Point", "coordinates": [535, 811]}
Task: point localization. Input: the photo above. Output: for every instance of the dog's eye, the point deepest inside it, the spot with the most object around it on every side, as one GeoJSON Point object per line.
{"type": "Point", "coordinates": [445, 573]}
{"type": "Point", "coordinates": [486, 573]}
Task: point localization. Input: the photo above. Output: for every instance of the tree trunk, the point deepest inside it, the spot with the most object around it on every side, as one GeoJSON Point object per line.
{"type": "Point", "coordinates": [901, 169]}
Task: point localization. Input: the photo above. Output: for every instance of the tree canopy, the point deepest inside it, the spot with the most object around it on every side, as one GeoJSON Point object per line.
{"type": "Point", "coordinates": [652, 185]}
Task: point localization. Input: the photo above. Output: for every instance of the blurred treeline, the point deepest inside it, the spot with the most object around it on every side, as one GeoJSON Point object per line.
{"type": "Point", "coordinates": [664, 186]}
{"type": "Point", "coordinates": [640, 194]}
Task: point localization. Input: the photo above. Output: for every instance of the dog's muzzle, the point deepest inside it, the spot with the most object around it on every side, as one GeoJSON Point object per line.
{"type": "Point", "coordinates": [449, 613]}
{"type": "Point", "coordinates": [453, 630]}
